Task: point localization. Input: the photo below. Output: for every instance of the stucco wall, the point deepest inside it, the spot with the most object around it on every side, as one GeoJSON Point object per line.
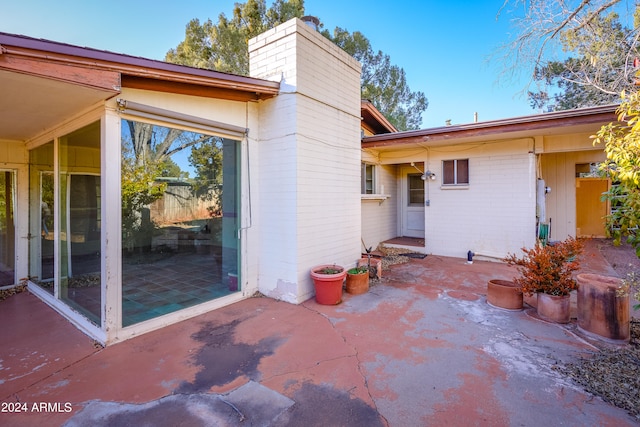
{"type": "Point", "coordinates": [309, 151]}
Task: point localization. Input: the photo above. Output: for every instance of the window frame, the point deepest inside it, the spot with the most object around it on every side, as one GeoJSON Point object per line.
{"type": "Point", "coordinates": [456, 173]}
{"type": "Point", "coordinates": [413, 191]}
{"type": "Point", "coordinates": [364, 178]}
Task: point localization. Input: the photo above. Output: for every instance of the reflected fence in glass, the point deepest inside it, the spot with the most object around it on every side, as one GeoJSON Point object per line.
{"type": "Point", "coordinates": [179, 219]}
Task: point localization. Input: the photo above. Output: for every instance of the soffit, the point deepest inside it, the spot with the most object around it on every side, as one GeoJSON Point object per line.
{"type": "Point", "coordinates": [30, 104]}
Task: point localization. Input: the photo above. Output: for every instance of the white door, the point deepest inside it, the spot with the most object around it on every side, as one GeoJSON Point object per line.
{"type": "Point", "coordinates": [412, 203]}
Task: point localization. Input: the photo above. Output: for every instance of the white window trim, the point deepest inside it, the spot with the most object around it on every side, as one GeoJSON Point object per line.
{"type": "Point", "coordinates": [363, 167]}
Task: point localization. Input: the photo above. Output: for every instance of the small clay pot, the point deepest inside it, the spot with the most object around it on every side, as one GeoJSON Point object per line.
{"type": "Point", "coordinates": [357, 283]}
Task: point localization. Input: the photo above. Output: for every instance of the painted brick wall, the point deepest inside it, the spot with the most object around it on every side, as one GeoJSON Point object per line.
{"type": "Point", "coordinates": [309, 151]}
{"type": "Point", "coordinates": [380, 217]}
{"type": "Point", "coordinates": [495, 214]}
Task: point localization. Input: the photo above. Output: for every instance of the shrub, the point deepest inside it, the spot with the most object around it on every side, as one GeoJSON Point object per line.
{"type": "Point", "coordinates": [547, 269]}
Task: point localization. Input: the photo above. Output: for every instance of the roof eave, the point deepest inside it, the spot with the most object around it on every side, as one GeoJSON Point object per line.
{"type": "Point", "coordinates": [515, 124]}
{"type": "Point", "coordinates": [137, 67]}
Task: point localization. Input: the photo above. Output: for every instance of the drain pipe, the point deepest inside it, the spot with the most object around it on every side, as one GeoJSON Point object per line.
{"type": "Point", "coordinates": [470, 257]}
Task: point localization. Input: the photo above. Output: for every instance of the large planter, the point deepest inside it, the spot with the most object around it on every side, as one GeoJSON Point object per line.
{"type": "Point", "coordinates": [328, 286]}
{"type": "Point", "coordinates": [601, 312]}
{"type": "Point", "coordinates": [504, 294]}
{"type": "Point", "coordinates": [357, 283]}
{"type": "Point", "coordinates": [554, 308]}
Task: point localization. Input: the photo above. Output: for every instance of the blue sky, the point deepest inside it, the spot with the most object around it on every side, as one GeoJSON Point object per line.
{"type": "Point", "coordinates": [443, 46]}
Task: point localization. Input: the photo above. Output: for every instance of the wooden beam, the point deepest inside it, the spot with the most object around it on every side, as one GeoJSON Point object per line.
{"type": "Point", "coordinates": [93, 78]}
{"type": "Point", "coordinates": [158, 85]}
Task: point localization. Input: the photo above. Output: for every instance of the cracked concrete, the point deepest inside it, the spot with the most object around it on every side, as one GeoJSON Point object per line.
{"type": "Point", "coordinates": [421, 348]}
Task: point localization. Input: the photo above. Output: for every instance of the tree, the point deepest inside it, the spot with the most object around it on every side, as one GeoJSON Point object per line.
{"type": "Point", "coordinates": [223, 47]}
{"type": "Point", "coordinates": [207, 184]}
{"type": "Point", "coordinates": [580, 46]}
{"type": "Point", "coordinates": [622, 146]}
{"type": "Point", "coordinates": [598, 74]}
{"type": "Point", "coordinates": [382, 83]}
{"type": "Point", "coordinates": [146, 156]}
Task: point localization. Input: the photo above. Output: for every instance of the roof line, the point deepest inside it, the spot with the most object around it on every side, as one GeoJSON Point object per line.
{"type": "Point", "coordinates": [131, 65]}
{"type": "Point", "coordinates": [501, 123]}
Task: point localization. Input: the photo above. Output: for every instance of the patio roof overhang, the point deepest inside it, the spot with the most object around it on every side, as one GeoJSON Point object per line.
{"type": "Point", "coordinates": [555, 123]}
{"type": "Point", "coordinates": [45, 82]}
{"type": "Point", "coordinates": [373, 120]}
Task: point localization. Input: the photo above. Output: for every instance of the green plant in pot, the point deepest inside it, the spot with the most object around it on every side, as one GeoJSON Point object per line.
{"type": "Point", "coordinates": [327, 281]}
{"type": "Point", "coordinates": [358, 280]}
{"type": "Point", "coordinates": [547, 270]}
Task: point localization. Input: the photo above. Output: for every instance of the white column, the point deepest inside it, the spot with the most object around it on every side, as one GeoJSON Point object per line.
{"type": "Point", "coordinates": [111, 243]}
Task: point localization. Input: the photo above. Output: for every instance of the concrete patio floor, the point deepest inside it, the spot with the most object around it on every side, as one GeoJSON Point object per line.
{"type": "Point", "coordinates": [421, 348]}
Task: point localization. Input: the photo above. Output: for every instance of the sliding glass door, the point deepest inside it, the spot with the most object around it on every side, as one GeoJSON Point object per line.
{"type": "Point", "coordinates": [7, 228]}
{"type": "Point", "coordinates": [65, 220]}
{"type": "Point", "coordinates": [79, 252]}
{"type": "Point", "coordinates": [179, 219]}
{"type": "Point", "coordinates": [41, 220]}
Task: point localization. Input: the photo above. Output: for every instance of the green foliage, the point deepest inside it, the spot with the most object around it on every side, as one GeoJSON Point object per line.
{"type": "Point", "coordinates": [139, 189]}
{"type": "Point", "coordinates": [630, 286]}
{"type": "Point", "coordinates": [547, 269]}
{"type": "Point", "coordinates": [207, 184]}
{"type": "Point", "coordinates": [599, 68]}
{"type": "Point", "coordinates": [382, 83]}
{"type": "Point", "coordinates": [358, 270]}
{"type": "Point", "coordinates": [223, 47]}
{"type": "Point", "coordinates": [330, 270]}
{"type": "Point", "coordinates": [622, 147]}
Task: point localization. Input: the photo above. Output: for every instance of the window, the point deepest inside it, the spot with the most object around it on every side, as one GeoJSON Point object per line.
{"type": "Point", "coordinates": [455, 172]}
{"type": "Point", "coordinates": [416, 189]}
{"type": "Point", "coordinates": [368, 184]}
{"type": "Point", "coordinates": [180, 213]}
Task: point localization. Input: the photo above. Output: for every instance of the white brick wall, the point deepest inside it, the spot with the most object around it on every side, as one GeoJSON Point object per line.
{"type": "Point", "coordinates": [309, 150]}
{"type": "Point", "coordinates": [495, 214]}
{"type": "Point", "coordinates": [380, 217]}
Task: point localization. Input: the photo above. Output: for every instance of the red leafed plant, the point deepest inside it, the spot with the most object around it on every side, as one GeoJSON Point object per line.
{"type": "Point", "coordinates": [548, 269]}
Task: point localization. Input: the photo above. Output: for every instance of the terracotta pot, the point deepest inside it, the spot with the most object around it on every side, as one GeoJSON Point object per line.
{"type": "Point", "coordinates": [357, 283]}
{"type": "Point", "coordinates": [600, 310]}
{"type": "Point", "coordinates": [504, 294]}
{"type": "Point", "coordinates": [328, 286]}
{"type": "Point", "coordinates": [375, 263]}
{"type": "Point", "coordinates": [554, 308]}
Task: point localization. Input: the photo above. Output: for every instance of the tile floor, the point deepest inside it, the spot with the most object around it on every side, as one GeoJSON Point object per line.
{"type": "Point", "coordinates": [154, 289]}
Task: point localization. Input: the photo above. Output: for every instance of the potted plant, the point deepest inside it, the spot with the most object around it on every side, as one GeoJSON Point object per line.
{"type": "Point", "coordinates": [327, 281]}
{"type": "Point", "coordinates": [358, 280]}
{"type": "Point", "coordinates": [546, 270]}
